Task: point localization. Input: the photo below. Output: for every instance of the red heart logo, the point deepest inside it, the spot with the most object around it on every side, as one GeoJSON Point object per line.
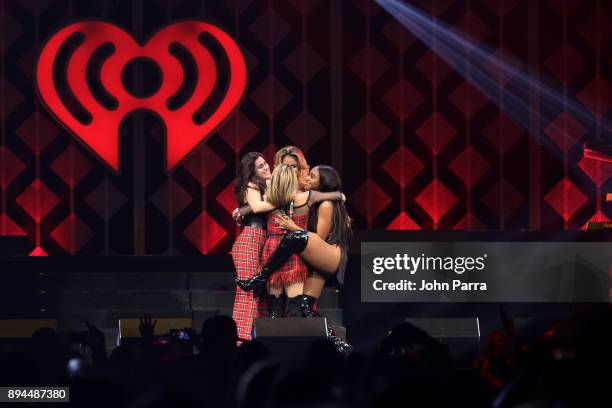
{"type": "Point", "coordinates": [76, 48]}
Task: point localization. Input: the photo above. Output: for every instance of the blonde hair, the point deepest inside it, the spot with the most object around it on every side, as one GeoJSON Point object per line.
{"type": "Point", "coordinates": [298, 155]}
{"type": "Point", "coordinates": [291, 151]}
{"type": "Point", "coordinates": [283, 186]}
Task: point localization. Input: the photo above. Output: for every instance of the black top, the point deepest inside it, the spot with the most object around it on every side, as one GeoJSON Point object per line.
{"type": "Point", "coordinates": [306, 203]}
{"type": "Point", "coordinates": [256, 220]}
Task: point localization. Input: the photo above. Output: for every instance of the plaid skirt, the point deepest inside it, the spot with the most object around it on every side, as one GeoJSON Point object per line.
{"type": "Point", "coordinates": [292, 271]}
{"type": "Point", "coordinates": [246, 254]}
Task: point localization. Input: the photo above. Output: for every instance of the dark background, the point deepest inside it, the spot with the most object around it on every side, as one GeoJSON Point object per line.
{"type": "Point", "coordinates": [346, 83]}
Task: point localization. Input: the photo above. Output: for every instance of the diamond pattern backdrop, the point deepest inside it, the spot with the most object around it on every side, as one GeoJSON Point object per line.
{"type": "Point", "coordinates": [418, 146]}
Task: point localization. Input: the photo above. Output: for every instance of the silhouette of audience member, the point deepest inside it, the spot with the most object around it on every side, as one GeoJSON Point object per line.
{"type": "Point", "coordinates": [248, 354]}
{"type": "Point", "coordinates": [163, 397]}
{"type": "Point", "coordinates": [51, 356]}
{"type": "Point", "coordinates": [219, 337]}
{"type": "Point", "coordinates": [255, 386]}
{"type": "Point", "coordinates": [560, 367]}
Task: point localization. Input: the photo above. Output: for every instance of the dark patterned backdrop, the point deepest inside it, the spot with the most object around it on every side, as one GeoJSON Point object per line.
{"type": "Point", "coordinates": [417, 145]}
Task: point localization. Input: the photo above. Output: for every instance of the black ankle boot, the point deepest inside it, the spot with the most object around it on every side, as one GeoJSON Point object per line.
{"type": "Point", "coordinates": [307, 306]}
{"type": "Point", "coordinates": [255, 282]}
{"type": "Point", "coordinates": [293, 307]}
{"type": "Point", "coordinates": [340, 344]}
{"type": "Point", "coordinates": [293, 242]}
{"type": "Point", "coordinates": [306, 303]}
{"type": "Point", "coordinates": [276, 306]}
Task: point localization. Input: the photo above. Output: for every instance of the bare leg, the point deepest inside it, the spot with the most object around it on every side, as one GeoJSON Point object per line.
{"type": "Point", "coordinates": [324, 258]}
{"type": "Point", "coordinates": [275, 290]}
{"type": "Point", "coordinates": [321, 255]}
{"type": "Point", "coordinates": [295, 289]}
{"type": "Point", "coordinates": [314, 285]}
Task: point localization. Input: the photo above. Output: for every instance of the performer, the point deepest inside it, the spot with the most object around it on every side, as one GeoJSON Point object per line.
{"type": "Point", "coordinates": [291, 273]}
{"type": "Point", "coordinates": [331, 222]}
{"type": "Point", "coordinates": [328, 256]}
{"type": "Point", "coordinates": [321, 255]}
{"type": "Point", "coordinates": [294, 157]}
{"type": "Point", "coordinates": [249, 189]}
{"type": "Point", "coordinates": [247, 249]}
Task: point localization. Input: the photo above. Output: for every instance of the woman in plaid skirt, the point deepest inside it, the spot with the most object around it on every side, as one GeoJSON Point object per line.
{"type": "Point", "coordinates": [323, 246]}
{"type": "Point", "coordinates": [325, 249]}
{"type": "Point", "coordinates": [292, 157]}
{"type": "Point", "coordinates": [250, 189]}
{"type": "Point", "coordinates": [331, 222]}
{"type": "Point", "coordinates": [289, 275]}
{"type": "Point", "coordinates": [283, 193]}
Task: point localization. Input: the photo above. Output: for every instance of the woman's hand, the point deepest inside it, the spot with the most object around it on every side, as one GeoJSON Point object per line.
{"type": "Point", "coordinates": [236, 216]}
{"type": "Point", "coordinates": [285, 222]}
{"type": "Point", "coordinates": [147, 327]}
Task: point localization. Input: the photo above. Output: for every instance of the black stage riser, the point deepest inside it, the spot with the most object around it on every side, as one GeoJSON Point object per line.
{"type": "Point", "coordinates": [105, 289]}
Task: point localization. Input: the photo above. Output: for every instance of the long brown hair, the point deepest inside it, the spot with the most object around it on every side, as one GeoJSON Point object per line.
{"type": "Point", "coordinates": [341, 231]}
{"type": "Point", "coordinates": [248, 174]}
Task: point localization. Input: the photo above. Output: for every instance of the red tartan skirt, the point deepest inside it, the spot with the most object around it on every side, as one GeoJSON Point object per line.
{"type": "Point", "coordinates": [292, 271]}
{"type": "Point", "coordinates": [246, 254]}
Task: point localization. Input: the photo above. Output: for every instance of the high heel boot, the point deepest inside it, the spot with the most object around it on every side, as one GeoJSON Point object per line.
{"type": "Point", "coordinates": [293, 242]}
{"type": "Point", "coordinates": [307, 306]}
{"type": "Point", "coordinates": [307, 309]}
{"type": "Point", "coordinates": [276, 306]}
{"type": "Point", "coordinates": [294, 307]}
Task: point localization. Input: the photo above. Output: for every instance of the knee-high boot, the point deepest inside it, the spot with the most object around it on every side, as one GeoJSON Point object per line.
{"type": "Point", "coordinates": [276, 305]}
{"type": "Point", "coordinates": [306, 304]}
{"type": "Point", "coordinates": [293, 242]}
{"type": "Point", "coordinates": [293, 307]}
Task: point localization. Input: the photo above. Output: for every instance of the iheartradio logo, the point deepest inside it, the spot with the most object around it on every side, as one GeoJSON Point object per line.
{"type": "Point", "coordinates": [83, 78]}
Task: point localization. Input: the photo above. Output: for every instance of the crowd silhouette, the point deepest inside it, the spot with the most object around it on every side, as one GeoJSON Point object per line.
{"type": "Point", "coordinates": [565, 366]}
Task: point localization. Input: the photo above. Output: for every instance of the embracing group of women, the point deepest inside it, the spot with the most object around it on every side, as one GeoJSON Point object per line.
{"type": "Point", "coordinates": [294, 237]}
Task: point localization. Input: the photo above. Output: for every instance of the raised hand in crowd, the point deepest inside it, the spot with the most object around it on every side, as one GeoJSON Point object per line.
{"type": "Point", "coordinates": [147, 327]}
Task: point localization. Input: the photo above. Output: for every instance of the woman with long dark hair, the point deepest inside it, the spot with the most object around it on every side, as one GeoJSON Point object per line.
{"type": "Point", "coordinates": [331, 222]}
{"type": "Point", "coordinates": [292, 157]}
{"type": "Point", "coordinates": [323, 256]}
{"type": "Point", "coordinates": [286, 276]}
{"type": "Point", "coordinates": [325, 250]}
{"type": "Point", "coordinates": [250, 188]}
{"type": "Point", "coordinates": [247, 251]}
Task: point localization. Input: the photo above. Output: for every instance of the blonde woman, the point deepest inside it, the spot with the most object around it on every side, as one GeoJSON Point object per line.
{"type": "Point", "coordinates": [283, 273]}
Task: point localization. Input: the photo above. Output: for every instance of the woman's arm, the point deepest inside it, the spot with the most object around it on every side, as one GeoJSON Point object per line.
{"type": "Point", "coordinates": [324, 219]}
{"type": "Point", "coordinates": [253, 197]}
{"type": "Point", "coordinates": [317, 197]}
{"type": "Point", "coordinates": [240, 213]}
{"type": "Point", "coordinates": [285, 222]}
